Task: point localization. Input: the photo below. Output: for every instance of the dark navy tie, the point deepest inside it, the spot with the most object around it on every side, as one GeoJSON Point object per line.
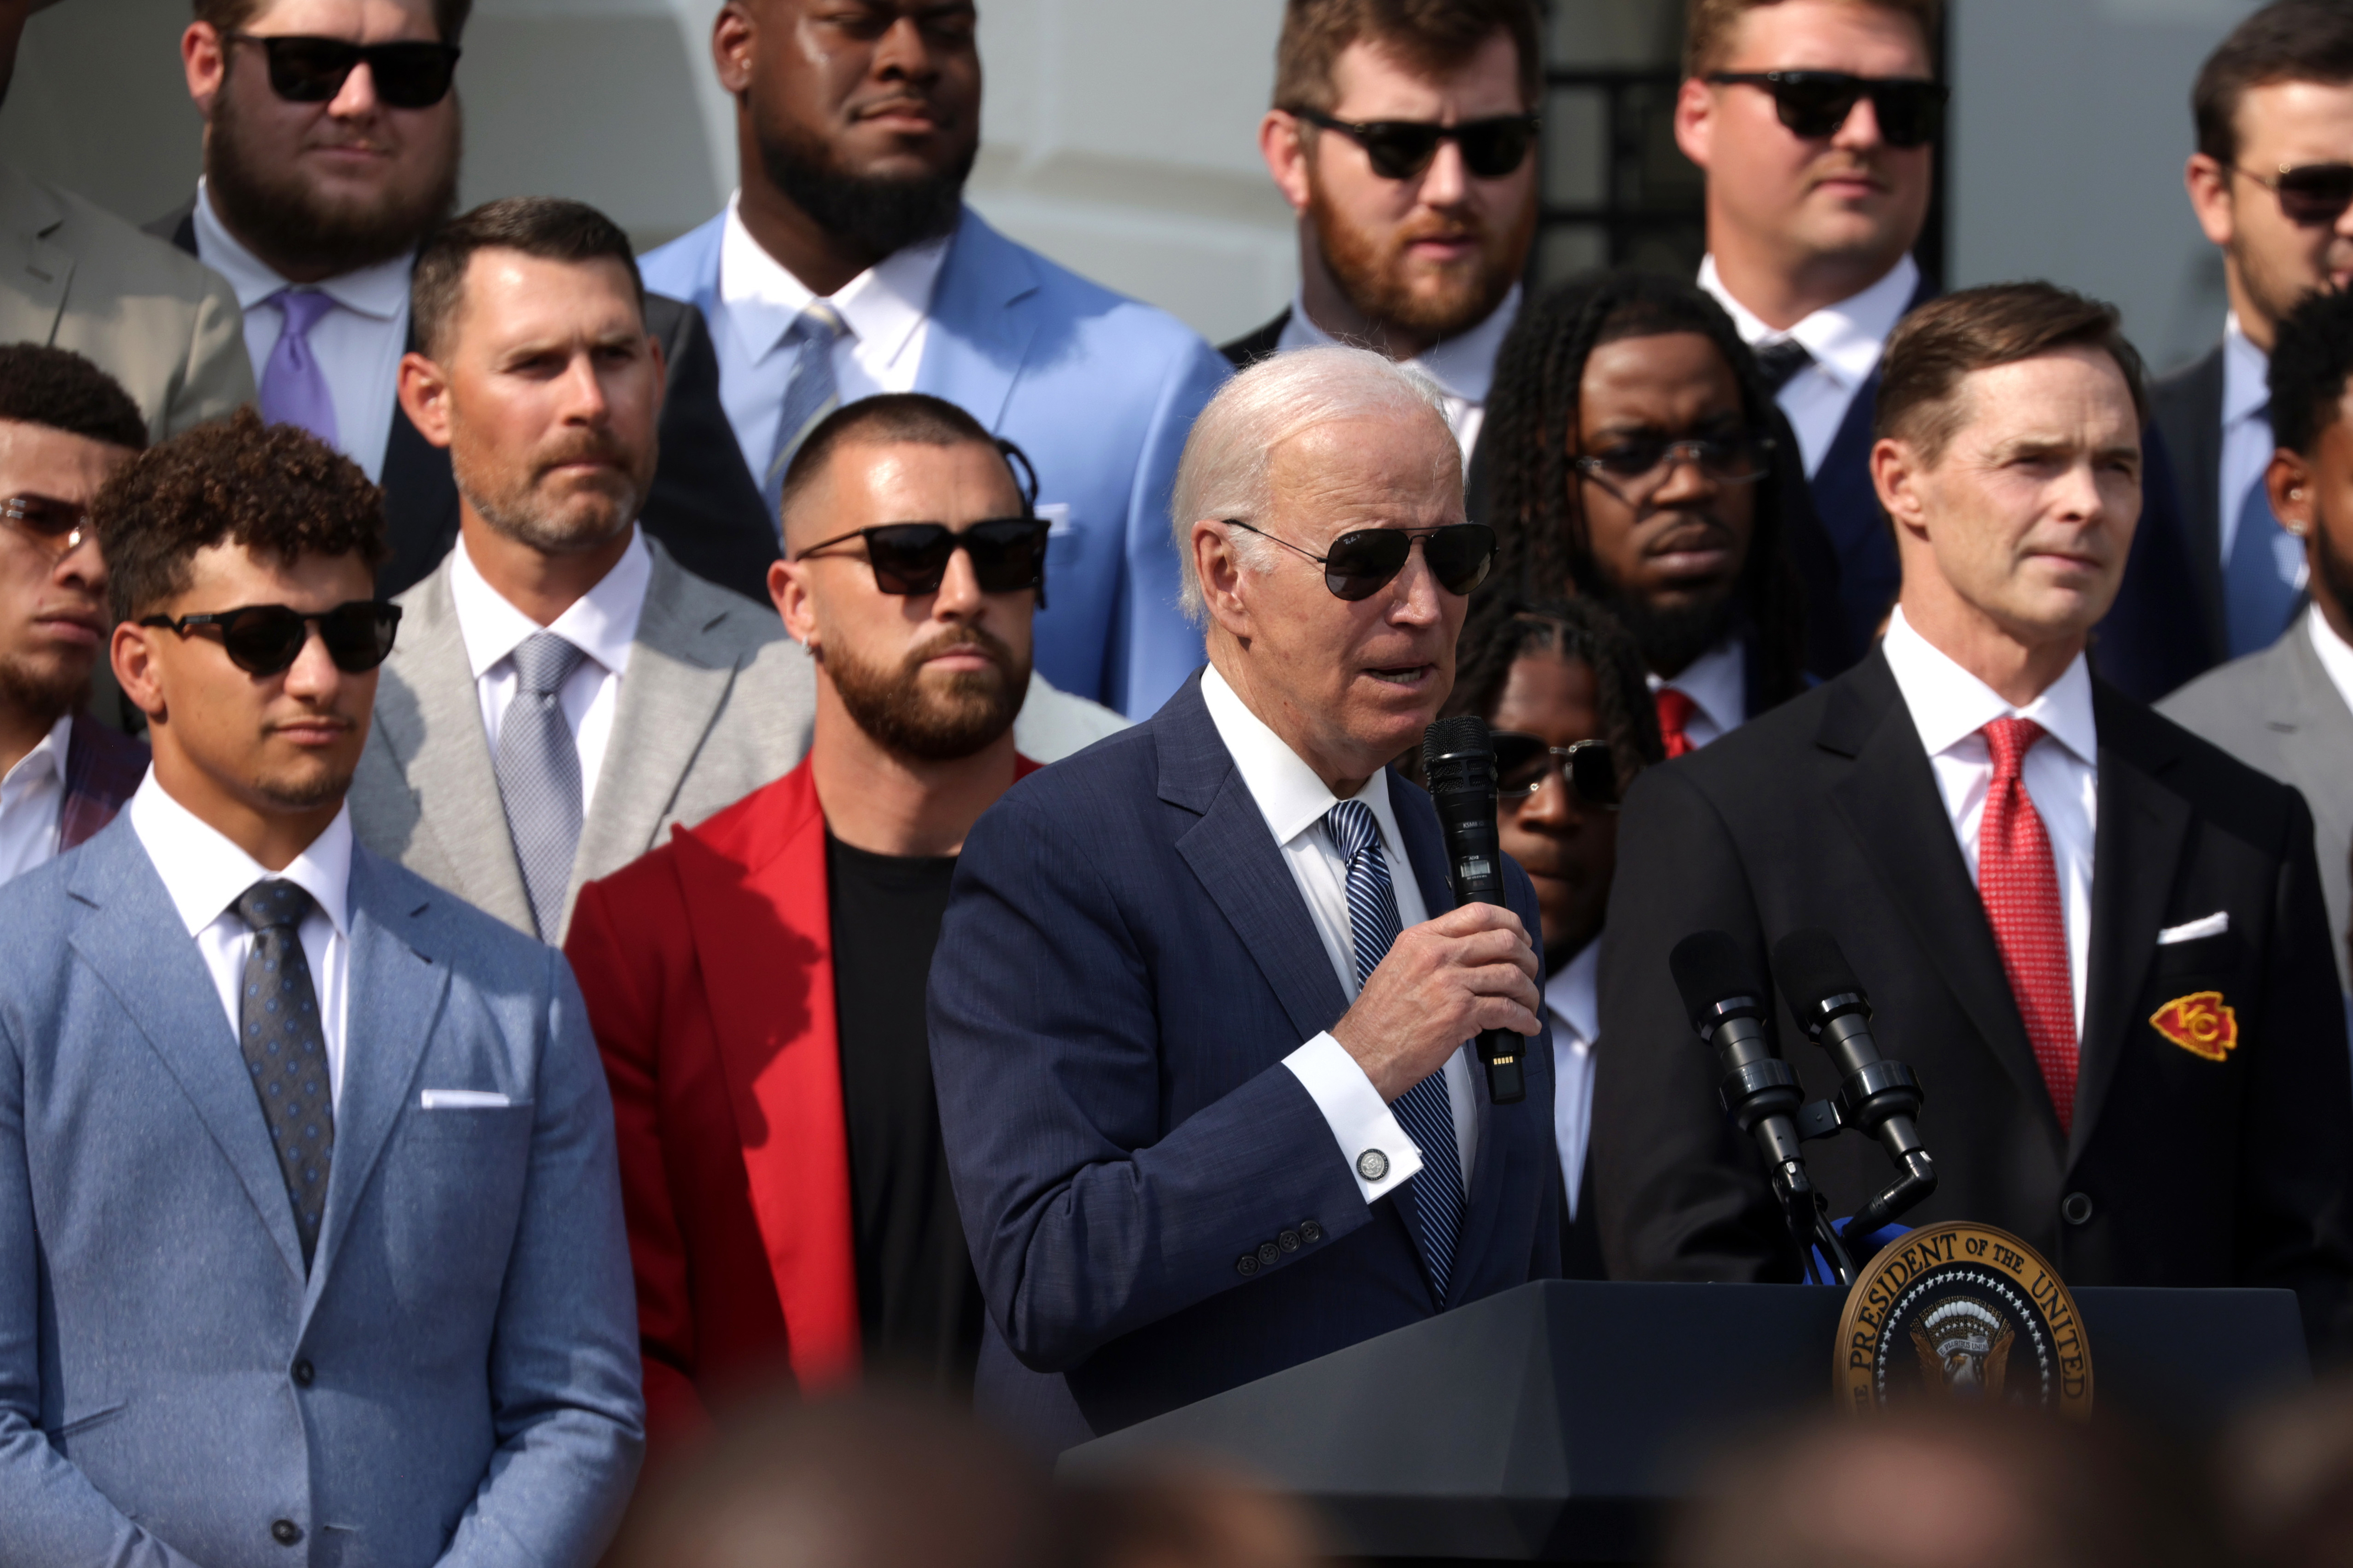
{"type": "Point", "coordinates": [1426, 1110]}
{"type": "Point", "coordinates": [1780, 362]}
{"type": "Point", "coordinates": [2259, 581]}
{"type": "Point", "coordinates": [286, 1049]}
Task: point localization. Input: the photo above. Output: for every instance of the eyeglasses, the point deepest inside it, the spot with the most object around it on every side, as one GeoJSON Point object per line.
{"type": "Point", "coordinates": [1400, 149]}
{"type": "Point", "coordinates": [1522, 763]}
{"type": "Point", "coordinates": [1009, 555]}
{"type": "Point", "coordinates": [60, 526]}
{"type": "Point", "coordinates": [266, 639]}
{"type": "Point", "coordinates": [1363, 561]}
{"type": "Point", "coordinates": [2311, 194]}
{"type": "Point", "coordinates": [1644, 465]}
{"type": "Point", "coordinates": [1814, 104]}
{"type": "Point", "coordinates": [412, 75]}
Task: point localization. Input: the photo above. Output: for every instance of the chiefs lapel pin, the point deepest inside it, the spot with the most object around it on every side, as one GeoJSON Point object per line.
{"type": "Point", "coordinates": [2200, 1023]}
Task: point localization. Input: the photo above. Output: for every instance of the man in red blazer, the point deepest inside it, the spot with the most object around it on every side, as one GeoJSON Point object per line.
{"type": "Point", "coordinates": [757, 985]}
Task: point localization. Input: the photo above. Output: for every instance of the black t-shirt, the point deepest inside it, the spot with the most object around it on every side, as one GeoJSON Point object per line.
{"type": "Point", "coordinates": [919, 1306]}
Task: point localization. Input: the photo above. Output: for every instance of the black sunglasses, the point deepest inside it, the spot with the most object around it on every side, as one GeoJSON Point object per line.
{"type": "Point", "coordinates": [1729, 460]}
{"type": "Point", "coordinates": [61, 525]}
{"type": "Point", "coordinates": [1814, 104]}
{"type": "Point", "coordinates": [266, 639]}
{"type": "Point", "coordinates": [1522, 763]}
{"type": "Point", "coordinates": [1363, 561]}
{"type": "Point", "coordinates": [414, 74]}
{"type": "Point", "coordinates": [1400, 149]}
{"type": "Point", "coordinates": [1009, 555]}
{"type": "Point", "coordinates": [2311, 194]}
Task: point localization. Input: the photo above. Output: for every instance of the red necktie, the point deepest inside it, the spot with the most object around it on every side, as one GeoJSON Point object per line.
{"type": "Point", "coordinates": [1676, 712]}
{"type": "Point", "coordinates": [2019, 879]}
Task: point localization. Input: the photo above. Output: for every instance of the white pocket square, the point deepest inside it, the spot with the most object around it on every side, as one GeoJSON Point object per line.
{"type": "Point", "coordinates": [463, 1100]}
{"type": "Point", "coordinates": [2214, 924]}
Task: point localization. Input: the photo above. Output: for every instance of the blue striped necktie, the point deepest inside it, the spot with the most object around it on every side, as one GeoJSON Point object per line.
{"type": "Point", "coordinates": [1426, 1110]}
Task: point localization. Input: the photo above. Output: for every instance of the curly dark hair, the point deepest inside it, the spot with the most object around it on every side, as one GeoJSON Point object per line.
{"type": "Point", "coordinates": [2310, 363]}
{"type": "Point", "coordinates": [1499, 633]}
{"type": "Point", "coordinates": [59, 388]}
{"type": "Point", "coordinates": [274, 489]}
{"type": "Point", "coordinates": [1543, 549]}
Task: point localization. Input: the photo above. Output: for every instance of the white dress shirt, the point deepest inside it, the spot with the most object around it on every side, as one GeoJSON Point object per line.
{"type": "Point", "coordinates": [203, 873]}
{"type": "Point", "coordinates": [1717, 684]}
{"type": "Point", "coordinates": [2061, 775]}
{"type": "Point", "coordinates": [358, 344]}
{"type": "Point", "coordinates": [1845, 340]}
{"type": "Point", "coordinates": [1293, 801]}
{"type": "Point", "coordinates": [887, 309]}
{"type": "Point", "coordinates": [1572, 996]}
{"type": "Point", "coordinates": [2247, 444]}
{"type": "Point", "coordinates": [601, 623]}
{"type": "Point", "coordinates": [2336, 657]}
{"type": "Point", "coordinates": [1463, 366]}
{"type": "Point", "coordinates": [32, 798]}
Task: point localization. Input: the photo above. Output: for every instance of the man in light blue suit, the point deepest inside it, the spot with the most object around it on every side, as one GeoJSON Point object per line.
{"type": "Point", "coordinates": [847, 265]}
{"type": "Point", "coordinates": [311, 1236]}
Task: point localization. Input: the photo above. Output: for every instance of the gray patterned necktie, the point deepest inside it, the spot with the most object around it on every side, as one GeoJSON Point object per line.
{"type": "Point", "coordinates": [539, 775]}
{"type": "Point", "coordinates": [285, 1047]}
{"type": "Point", "coordinates": [809, 396]}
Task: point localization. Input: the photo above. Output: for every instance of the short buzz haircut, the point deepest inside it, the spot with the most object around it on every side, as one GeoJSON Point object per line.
{"type": "Point", "coordinates": [1709, 24]}
{"type": "Point", "coordinates": [547, 227]}
{"type": "Point", "coordinates": [276, 489]}
{"type": "Point", "coordinates": [234, 16]}
{"type": "Point", "coordinates": [885, 419]}
{"type": "Point", "coordinates": [61, 390]}
{"type": "Point", "coordinates": [1430, 36]}
{"type": "Point", "coordinates": [2310, 362]}
{"type": "Point", "coordinates": [2290, 40]}
{"type": "Point", "coordinates": [1936, 346]}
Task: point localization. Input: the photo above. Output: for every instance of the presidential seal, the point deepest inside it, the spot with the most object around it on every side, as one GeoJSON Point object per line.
{"type": "Point", "coordinates": [1964, 1313]}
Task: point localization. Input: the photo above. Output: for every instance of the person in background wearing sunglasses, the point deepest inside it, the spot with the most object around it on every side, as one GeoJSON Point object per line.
{"type": "Point", "coordinates": [288, 1136]}
{"type": "Point", "coordinates": [783, 944]}
{"type": "Point", "coordinates": [1403, 134]}
{"type": "Point", "coordinates": [1201, 1007]}
{"type": "Point", "coordinates": [65, 426]}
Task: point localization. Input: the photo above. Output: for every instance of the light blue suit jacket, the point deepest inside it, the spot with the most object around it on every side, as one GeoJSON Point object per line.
{"type": "Point", "coordinates": [457, 1379]}
{"type": "Point", "coordinates": [1100, 392]}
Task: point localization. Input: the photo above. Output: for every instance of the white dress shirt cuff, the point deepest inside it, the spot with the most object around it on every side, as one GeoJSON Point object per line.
{"type": "Point", "coordinates": [1379, 1156]}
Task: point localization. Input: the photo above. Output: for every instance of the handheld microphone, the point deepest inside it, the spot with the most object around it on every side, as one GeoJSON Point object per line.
{"type": "Point", "coordinates": [1460, 762]}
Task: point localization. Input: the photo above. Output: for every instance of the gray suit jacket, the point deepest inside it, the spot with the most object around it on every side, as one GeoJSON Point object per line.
{"type": "Point", "coordinates": [454, 1382]}
{"type": "Point", "coordinates": [75, 276]}
{"type": "Point", "coordinates": [717, 702]}
{"type": "Point", "coordinates": [2278, 712]}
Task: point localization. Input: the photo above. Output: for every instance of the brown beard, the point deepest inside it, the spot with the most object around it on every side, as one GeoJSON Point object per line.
{"type": "Point", "coordinates": [943, 723]}
{"type": "Point", "coordinates": [1368, 268]}
{"type": "Point", "coordinates": [512, 506]}
{"type": "Point", "coordinates": [44, 694]}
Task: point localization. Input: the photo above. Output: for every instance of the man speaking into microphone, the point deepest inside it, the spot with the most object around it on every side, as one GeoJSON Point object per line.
{"type": "Point", "coordinates": [1201, 1004]}
{"type": "Point", "coordinates": [2097, 939]}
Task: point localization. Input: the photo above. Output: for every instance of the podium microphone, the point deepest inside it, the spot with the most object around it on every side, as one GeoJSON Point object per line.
{"type": "Point", "coordinates": [1459, 761]}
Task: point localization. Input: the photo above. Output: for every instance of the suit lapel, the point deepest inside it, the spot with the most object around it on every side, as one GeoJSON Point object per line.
{"type": "Point", "coordinates": [2316, 729]}
{"type": "Point", "coordinates": [2189, 414]}
{"type": "Point", "coordinates": [33, 272]}
{"type": "Point", "coordinates": [978, 301]}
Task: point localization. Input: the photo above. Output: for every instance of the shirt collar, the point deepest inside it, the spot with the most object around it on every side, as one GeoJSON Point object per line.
{"type": "Point", "coordinates": [380, 291]}
{"type": "Point", "coordinates": [2246, 373]}
{"type": "Point", "coordinates": [45, 762]}
{"type": "Point", "coordinates": [1716, 683]}
{"type": "Point", "coordinates": [1572, 993]}
{"type": "Point", "coordinates": [1289, 793]}
{"type": "Point", "coordinates": [204, 873]}
{"type": "Point", "coordinates": [1463, 366]}
{"type": "Point", "coordinates": [1950, 705]}
{"type": "Point", "coordinates": [1845, 338]}
{"type": "Point", "coordinates": [882, 306]}
{"type": "Point", "coordinates": [602, 623]}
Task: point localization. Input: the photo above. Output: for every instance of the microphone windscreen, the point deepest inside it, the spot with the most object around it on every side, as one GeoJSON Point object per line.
{"type": "Point", "coordinates": [1811, 966]}
{"type": "Point", "coordinates": [1708, 967]}
{"type": "Point", "coordinates": [1446, 744]}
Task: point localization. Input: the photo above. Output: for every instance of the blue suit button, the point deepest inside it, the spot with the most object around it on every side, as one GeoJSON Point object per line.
{"type": "Point", "coordinates": [286, 1533]}
{"type": "Point", "coordinates": [1310, 1232]}
{"type": "Point", "coordinates": [1268, 1252]}
{"type": "Point", "coordinates": [1290, 1240]}
{"type": "Point", "coordinates": [1246, 1265]}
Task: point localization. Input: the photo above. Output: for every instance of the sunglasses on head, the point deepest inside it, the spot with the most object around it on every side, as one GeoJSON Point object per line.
{"type": "Point", "coordinates": [60, 525]}
{"type": "Point", "coordinates": [1400, 149]}
{"type": "Point", "coordinates": [2311, 194]}
{"type": "Point", "coordinates": [1814, 104]}
{"type": "Point", "coordinates": [1522, 763]}
{"type": "Point", "coordinates": [266, 639]}
{"type": "Point", "coordinates": [412, 75]}
{"type": "Point", "coordinates": [1363, 561]}
{"type": "Point", "coordinates": [1009, 555]}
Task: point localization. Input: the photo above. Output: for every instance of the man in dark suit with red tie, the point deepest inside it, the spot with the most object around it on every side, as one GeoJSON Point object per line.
{"type": "Point", "coordinates": [2098, 940]}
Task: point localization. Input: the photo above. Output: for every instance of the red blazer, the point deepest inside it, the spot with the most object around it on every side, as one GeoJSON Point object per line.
{"type": "Point", "coordinates": [708, 968]}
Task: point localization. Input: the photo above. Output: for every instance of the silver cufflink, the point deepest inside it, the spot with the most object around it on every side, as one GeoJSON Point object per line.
{"type": "Point", "coordinates": [1372, 1164]}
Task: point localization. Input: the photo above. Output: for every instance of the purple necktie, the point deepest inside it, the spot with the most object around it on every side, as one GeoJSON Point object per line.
{"type": "Point", "coordinates": [293, 387]}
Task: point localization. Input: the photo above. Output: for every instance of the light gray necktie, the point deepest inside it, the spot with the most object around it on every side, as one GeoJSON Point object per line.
{"type": "Point", "coordinates": [809, 396]}
{"type": "Point", "coordinates": [539, 775]}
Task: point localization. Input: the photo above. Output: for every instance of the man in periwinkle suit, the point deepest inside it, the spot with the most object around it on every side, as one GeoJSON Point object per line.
{"type": "Point", "coordinates": [847, 265]}
{"type": "Point", "coordinates": [310, 1239]}
{"type": "Point", "coordinates": [1201, 1050]}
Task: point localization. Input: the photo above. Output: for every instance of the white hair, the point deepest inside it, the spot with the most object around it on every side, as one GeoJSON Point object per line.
{"type": "Point", "coordinates": [1227, 469]}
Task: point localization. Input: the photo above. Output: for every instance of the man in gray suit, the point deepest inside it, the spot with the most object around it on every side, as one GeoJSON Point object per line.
{"type": "Point", "coordinates": [563, 692]}
{"type": "Point", "coordinates": [312, 1246]}
{"type": "Point", "coordinates": [2288, 710]}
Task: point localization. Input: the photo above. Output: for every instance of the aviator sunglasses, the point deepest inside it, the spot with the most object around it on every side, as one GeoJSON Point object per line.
{"type": "Point", "coordinates": [1522, 763]}
{"type": "Point", "coordinates": [1400, 149]}
{"type": "Point", "coordinates": [2311, 194]}
{"type": "Point", "coordinates": [266, 639]}
{"type": "Point", "coordinates": [1363, 561]}
{"type": "Point", "coordinates": [1814, 104]}
{"type": "Point", "coordinates": [412, 75]}
{"type": "Point", "coordinates": [60, 526]}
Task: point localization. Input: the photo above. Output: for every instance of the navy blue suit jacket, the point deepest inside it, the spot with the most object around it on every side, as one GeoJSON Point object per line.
{"type": "Point", "coordinates": [1125, 962]}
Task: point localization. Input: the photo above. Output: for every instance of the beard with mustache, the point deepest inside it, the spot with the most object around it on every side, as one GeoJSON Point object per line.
{"type": "Point", "coordinates": [47, 689]}
{"type": "Point", "coordinates": [946, 722]}
{"type": "Point", "coordinates": [878, 215]}
{"type": "Point", "coordinates": [1370, 268]}
{"type": "Point", "coordinates": [554, 526]}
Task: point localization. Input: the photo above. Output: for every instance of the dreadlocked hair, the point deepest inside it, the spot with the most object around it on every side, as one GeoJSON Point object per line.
{"type": "Point", "coordinates": [1499, 633]}
{"type": "Point", "coordinates": [1543, 549]}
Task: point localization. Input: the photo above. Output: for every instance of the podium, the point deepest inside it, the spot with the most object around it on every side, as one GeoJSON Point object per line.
{"type": "Point", "coordinates": [1556, 1422]}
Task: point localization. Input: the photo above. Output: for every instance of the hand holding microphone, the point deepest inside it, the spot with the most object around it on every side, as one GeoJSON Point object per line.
{"type": "Point", "coordinates": [1443, 980]}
